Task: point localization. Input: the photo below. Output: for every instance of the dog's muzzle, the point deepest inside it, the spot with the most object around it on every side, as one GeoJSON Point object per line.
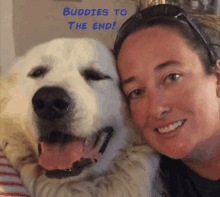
{"type": "Point", "coordinates": [51, 103]}
{"type": "Point", "coordinates": [61, 153]}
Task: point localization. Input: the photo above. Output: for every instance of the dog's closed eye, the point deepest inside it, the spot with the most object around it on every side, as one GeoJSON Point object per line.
{"type": "Point", "coordinates": [94, 75]}
{"type": "Point", "coordinates": [39, 71]}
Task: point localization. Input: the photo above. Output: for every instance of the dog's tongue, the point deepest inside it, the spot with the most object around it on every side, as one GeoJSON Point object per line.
{"type": "Point", "coordinates": [60, 157]}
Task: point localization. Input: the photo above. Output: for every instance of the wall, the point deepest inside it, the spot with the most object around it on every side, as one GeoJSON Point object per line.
{"type": "Point", "coordinates": [37, 21]}
{"type": "Point", "coordinates": [7, 39]}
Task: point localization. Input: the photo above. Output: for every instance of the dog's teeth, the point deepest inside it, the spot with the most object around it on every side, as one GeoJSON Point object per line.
{"type": "Point", "coordinates": [69, 169]}
{"type": "Point", "coordinates": [86, 142]}
{"type": "Point", "coordinates": [93, 139]}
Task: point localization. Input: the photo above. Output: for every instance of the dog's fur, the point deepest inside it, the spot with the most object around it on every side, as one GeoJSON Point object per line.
{"type": "Point", "coordinates": [85, 70]}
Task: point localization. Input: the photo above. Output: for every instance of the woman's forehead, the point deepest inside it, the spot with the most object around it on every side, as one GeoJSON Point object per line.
{"type": "Point", "coordinates": [152, 42]}
{"type": "Point", "coordinates": [151, 36]}
{"type": "Point", "coordinates": [151, 47]}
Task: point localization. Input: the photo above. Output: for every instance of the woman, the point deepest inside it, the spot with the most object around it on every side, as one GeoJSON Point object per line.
{"type": "Point", "coordinates": [170, 76]}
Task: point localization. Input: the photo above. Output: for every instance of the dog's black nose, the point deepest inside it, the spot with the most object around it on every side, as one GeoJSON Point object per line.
{"type": "Point", "coordinates": [51, 103]}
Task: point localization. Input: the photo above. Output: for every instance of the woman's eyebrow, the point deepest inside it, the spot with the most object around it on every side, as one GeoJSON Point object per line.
{"type": "Point", "coordinates": [166, 64]}
{"type": "Point", "coordinates": [129, 80]}
{"type": "Point", "coordinates": [159, 67]}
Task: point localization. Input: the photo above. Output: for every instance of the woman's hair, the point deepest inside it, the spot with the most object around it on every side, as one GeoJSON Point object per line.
{"type": "Point", "coordinates": [193, 39]}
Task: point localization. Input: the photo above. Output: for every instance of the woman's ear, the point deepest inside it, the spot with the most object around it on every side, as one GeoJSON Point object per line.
{"type": "Point", "coordinates": [218, 77]}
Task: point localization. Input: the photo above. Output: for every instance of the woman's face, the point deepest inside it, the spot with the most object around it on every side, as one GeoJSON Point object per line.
{"type": "Point", "coordinates": [172, 100]}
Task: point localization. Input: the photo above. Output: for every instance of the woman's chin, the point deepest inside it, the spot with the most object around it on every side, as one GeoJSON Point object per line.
{"type": "Point", "coordinates": [177, 153]}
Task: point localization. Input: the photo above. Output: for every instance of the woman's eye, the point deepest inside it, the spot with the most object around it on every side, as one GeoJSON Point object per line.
{"type": "Point", "coordinates": [134, 94]}
{"type": "Point", "coordinates": [172, 77]}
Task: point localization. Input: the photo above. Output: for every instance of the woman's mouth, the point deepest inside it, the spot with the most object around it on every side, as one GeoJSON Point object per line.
{"type": "Point", "coordinates": [170, 127]}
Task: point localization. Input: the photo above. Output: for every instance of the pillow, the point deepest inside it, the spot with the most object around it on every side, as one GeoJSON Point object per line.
{"type": "Point", "coordinates": [10, 182]}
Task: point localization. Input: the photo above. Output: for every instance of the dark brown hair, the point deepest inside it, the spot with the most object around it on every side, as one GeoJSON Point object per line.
{"type": "Point", "coordinates": [194, 41]}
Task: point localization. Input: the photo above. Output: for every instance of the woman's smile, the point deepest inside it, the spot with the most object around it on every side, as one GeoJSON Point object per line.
{"type": "Point", "coordinates": [170, 127]}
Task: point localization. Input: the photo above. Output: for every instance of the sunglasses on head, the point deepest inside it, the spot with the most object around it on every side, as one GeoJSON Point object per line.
{"type": "Point", "coordinates": [150, 14]}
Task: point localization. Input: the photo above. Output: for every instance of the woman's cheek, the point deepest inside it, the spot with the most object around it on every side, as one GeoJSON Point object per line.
{"type": "Point", "coordinates": [137, 116]}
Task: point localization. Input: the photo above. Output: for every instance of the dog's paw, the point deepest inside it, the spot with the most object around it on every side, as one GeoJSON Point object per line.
{"type": "Point", "coordinates": [18, 150]}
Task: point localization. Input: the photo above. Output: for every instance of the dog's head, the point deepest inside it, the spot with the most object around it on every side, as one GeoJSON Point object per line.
{"type": "Point", "coordinates": [67, 91]}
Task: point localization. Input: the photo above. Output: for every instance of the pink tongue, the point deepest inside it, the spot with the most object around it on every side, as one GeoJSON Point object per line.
{"type": "Point", "coordinates": [55, 157]}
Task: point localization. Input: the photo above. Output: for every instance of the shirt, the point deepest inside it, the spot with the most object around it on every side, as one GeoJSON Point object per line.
{"type": "Point", "coordinates": [180, 181]}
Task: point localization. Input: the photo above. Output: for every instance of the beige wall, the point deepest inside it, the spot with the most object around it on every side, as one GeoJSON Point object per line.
{"type": "Point", "coordinates": [37, 21]}
{"type": "Point", "coordinates": [26, 23]}
{"type": "Point", "coordinates": [6, 41]}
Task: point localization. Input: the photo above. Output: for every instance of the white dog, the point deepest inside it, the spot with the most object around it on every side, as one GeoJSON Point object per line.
{"type": "Point", "coordinates": [61, 101]}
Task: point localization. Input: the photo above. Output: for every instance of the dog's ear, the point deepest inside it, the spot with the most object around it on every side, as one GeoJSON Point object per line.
{"type": "Point", "coordinates": [7, 81]}
{"type": "Point", "coordinates": [8, 78]}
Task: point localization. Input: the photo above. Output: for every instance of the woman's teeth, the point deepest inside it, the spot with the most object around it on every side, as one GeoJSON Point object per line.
{"type": "Point", "coordinates": [171, 127]}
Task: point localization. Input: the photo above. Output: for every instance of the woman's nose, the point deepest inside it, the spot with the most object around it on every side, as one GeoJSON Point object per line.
{"type": "Point", "coordinates": [159, 106]}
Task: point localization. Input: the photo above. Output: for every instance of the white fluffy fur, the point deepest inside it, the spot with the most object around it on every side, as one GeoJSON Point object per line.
{"type": "Point", "coordinates": [125, 164]}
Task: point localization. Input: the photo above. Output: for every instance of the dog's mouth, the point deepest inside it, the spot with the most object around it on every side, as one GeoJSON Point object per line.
{"type": "Point", "coordinates": [62, 160]}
